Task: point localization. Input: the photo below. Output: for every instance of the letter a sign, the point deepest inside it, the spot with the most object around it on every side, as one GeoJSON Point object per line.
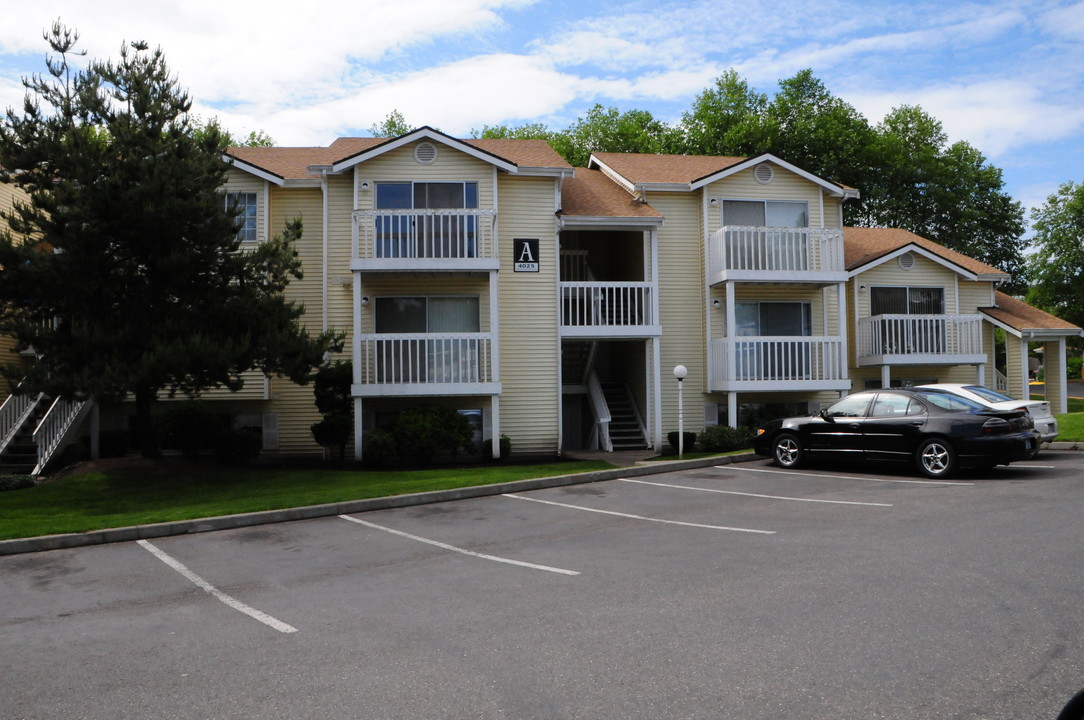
{"type": "Point", "coordinates": [526, 255]}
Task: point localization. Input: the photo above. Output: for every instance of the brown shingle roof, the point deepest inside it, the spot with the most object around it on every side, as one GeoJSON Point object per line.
{"type": "Point", "coordinates": [1021, 316]}
{"type": "Point", "coordinates": [863, 245]}
{"type": "Point", "coordinates": [292, 163]}
{"type": "Point", "coordinates": [591, 194]}
{"type": "Point", "coordinates": [645, 168]}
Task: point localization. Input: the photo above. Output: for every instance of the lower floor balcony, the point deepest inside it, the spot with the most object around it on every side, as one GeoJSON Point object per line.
{"type": "Point", "coordinates": [418, 364]}
{"type": "Point", "coordinates": [608, 310]}
{"type": "Point", "coordinates": [905, 339]}
{"type": "Point", "coordinates": [745, 364]}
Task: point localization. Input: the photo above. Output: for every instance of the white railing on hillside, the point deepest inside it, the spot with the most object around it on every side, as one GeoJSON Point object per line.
{"type": "Point", "coordinates": [425, 234]}
{"type": "Point", "coordinates": [13, 414]}
{"type": "Point", "coordinates": [53, 429]}
{"type": "Point", "coordinates": [902, 334]}
{"type": "Point", "coordinates": [606, 304]}
{"type": "Point", "coordinates": [776, 249]}
{"type": "Point", "coordinates": [426, 358]}
{"type": "Point", "coordinates": [776, 359]}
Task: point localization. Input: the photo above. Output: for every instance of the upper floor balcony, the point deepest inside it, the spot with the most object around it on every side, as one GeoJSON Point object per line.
{"type": "Point", "coordinates": [425, 240]}
{"type": "Point", "coordinates": [904, 339]}
{"type": "Point", "coordinates": [776, 254]}
{"type": "Point", "coordinates": [420, 364]}
{"type": "Point", "coordinates": [608, 310]}
{"type": "Point", "coordinates": [762, 363]}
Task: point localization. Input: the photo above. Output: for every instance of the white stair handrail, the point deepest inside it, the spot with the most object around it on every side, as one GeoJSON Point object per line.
{"type": "Point", "coordinates": [14, 413]}
{"type": "Point", "coordinates": [601, 411]}
{"type": "Point", "coordinates": [59, 420]}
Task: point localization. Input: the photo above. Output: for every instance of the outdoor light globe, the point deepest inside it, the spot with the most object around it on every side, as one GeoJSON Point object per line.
{"type": "Point", "coordinates": [680, 371]}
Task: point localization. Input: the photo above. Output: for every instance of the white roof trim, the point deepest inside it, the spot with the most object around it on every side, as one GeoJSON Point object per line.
{"type": "Point", "coordinates": [254, 170]}
{"type": "Point", "coordinates": [919, 250]}
{"type": "Point", "coordinates": [833, 188]}
{"type": "Point", "coordinates": [425, 133]}
{"type": "Point", "coordinates": [603, 221]}
{"type": "Point", "coordinates": [612, 174]}
{"type": "Point", "coordinates": [1034, 334]}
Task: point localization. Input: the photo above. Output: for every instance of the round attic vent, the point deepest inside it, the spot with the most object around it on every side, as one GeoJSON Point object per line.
{"type": "Point", "coordinates": [907, 261]}
{"type": "Point", "coordinates": [425, 153]}
{"type": "Point", "coordinates": [763, 173]}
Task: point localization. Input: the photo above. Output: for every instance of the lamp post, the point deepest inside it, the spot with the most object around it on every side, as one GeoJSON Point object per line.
{"type": "Point", "coordinates": [680, 371]}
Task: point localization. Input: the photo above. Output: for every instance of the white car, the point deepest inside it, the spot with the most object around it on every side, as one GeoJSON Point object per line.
{"type": "Point", "coordinates": [1039, 410]}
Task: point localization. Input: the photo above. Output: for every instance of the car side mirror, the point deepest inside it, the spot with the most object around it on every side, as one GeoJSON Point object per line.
{"type": "Point", "coordinates": [825, 416]}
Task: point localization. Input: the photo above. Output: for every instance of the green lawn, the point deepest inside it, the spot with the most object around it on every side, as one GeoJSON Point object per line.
{"type": "Point", "coordinates": [1071, 425]}
{"type": "Point", "coordinates": [183, 491]}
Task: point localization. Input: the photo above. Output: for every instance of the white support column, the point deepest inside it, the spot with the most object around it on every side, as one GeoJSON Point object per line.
{"type": "Point", "coordinates": [732, 409]}
{"type": "Point", "coordinates": [730, 333]}
{"type": "Point", "coordinates": [358, 429]}
{"type": "Point", "coordinates": [1063, 396]}
{"type": "Point", "coordinates": [356, 361]}
{"type": "Point", "coordinates": [886, 376]}
{"type": "Point", "coordinates": [495, 424]}
{"type": "Point", "coordinates": [980, 374]}
{"type": "Point", "coordinates": [656, 390]}
{"type": "Point", "coordinates": [841, 294]}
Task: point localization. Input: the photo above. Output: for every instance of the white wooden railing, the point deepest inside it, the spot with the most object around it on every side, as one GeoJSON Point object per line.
{"type": "Point", "coordinates": [606, 304]}
{"type": "Point", "coordinates": [600, 432]}
{"type": "Point", "coordinates": [52, 431]}
{"type": "Point", "coordinates": [426, 358]}
{"type": "Point", "coordinates": [425, 234]}
{"type": "Point", "coordinates": [775, 359]}
{"type": "Point", "coordinates": [902, 335]}
{"type": "Point", "coordinates": [1001, 383]}
{"type": "Point", "coordinates": [776, 249]}
{"type": "Point", "coordinates": [13, 413]}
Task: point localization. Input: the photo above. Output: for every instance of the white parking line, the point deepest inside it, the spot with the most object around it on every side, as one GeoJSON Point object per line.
{"type": "Point", "coordinates": [1045, 467]}
{"type": "Point", "coordinates": [843, 477]}
{"type": "Point", "coordinates": [756, 495]}
{"type": "Point", "coordinates": [215, 592]}
{"type": "Point", "coordinates": [453, 548]}
{"type": "Point", "coordinates": [641, 517]}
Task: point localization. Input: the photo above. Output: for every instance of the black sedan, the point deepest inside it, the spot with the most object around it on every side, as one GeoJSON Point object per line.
{"type": "Point", "coordinates": [936, 431]}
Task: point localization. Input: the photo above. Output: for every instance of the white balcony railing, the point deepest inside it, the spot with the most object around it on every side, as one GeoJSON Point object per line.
{"type": "Point", "coordinates": [426, 359]}
{"type": "Point", "coordinates": [755, 251]}
{"type": "Point", "coordinates": [425, 234]}
{"type": "Point", "coordinates": [920, 338]}
{"type": "Point", "coordinates": [606, 304]}
{"type": "Point", "coordinates": [776, 363]}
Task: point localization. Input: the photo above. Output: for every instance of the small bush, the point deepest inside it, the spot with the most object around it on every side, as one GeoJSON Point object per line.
{"type": "Point", "coordinates": [16, 482]}
{"type": "Point", "coordinates": [237, 446]}
{"type": "Point", "coordinates": [425, 432]}
{"type": "Point", "coordinates": [689, 440]}
{"type": "Point", "coordinates": [505, 446]}
{"type": "Point", "coordinates": [379, 446]}
{"type": "Point", "coordinates": [190, 427]}
{"type": "Point", "coordinates": [1073, 368]}
{"type": "Point", "coordinates": [723, 438]}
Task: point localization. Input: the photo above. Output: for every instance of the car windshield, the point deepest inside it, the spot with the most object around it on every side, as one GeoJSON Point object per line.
{"type": "Point", "coordinates": [950, 403]}
{"type": "Point", "coordinates": [987, 394]}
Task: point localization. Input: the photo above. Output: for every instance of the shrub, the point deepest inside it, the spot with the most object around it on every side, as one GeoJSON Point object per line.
{"type": "Point", "coordinates": [424, 432]}
{"type": "Point", "coordinates": [190, 426]}
{"type": "Point", "coordinates": [236, 446]}
{"type": "Point", "coordinates": [16, 482]}
{"type": "Point", "coordinates": [723, 438]}
{"type": "Point", "coordinates": [505, 446]}
{"type": "Point", "coordinates": [1073, 368]}
{"type": "Point", "coordinates": [689, 440]}
{"type": "Point", "coordinates": [379, 446]}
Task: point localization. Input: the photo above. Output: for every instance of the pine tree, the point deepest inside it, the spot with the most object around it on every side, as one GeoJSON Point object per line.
{"type": "Point", "coordinates": [124, 272]}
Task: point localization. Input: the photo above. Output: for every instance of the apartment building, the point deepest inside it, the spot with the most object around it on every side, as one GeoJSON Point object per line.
{"type": "Point", "coordinates": [551, 303]}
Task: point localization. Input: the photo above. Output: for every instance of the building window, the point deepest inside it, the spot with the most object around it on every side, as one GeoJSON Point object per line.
{"type": "Point", "coordinates": [427, 233]}
{"type": "Point", "coordinates": [765, 213]}
{"type": "Point", "coordinates": [451, 314]}
{"type": "Point", "coordinates": [907, 301]}
{"type": "Point", "coordinates": [245, 205]}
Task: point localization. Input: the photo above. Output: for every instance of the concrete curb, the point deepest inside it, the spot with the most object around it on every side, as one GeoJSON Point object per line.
{"type": "Point", "coordinates": [226, 522]}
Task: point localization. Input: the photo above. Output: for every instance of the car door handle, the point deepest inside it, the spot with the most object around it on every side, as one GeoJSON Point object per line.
{"type": "Point", "coordinates": [918, 423]}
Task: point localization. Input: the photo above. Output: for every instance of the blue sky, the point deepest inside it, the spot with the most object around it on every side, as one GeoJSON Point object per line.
{"type": "Point", "coordinates": [1005, 75]}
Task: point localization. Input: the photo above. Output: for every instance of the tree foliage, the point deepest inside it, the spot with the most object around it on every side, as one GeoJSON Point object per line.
{"type": "Point", "coordinates": [123, 271]}
{"type": "Point", "coordinates": [393, 125]}
{"type": "Point", "coordinates": [1056, 269]}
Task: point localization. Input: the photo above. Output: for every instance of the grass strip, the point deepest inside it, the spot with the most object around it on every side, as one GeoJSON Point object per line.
{"type": "Point", "coordinates": [168, 492]}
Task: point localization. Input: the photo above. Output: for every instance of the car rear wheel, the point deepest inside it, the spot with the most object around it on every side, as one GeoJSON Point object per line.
{"type": "Point", "coordinates": [936, 458]}
{"type": "Point", "coordinates": [787, 450]}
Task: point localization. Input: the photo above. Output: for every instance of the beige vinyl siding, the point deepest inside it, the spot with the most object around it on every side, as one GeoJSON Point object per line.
{"type": "Point", "coordinates": [450, 166]}
{"type": "Point", "coordinates": [9, 194]}
{"type": "Point", "coordinates": [925, 273]}
{"type": "Point", "coordinates": [530, 345]}
{"type": "Point", "coordinates": [294, 404]}
{"type": "Point", "coordinates": [242, 182]}
{"type": "Point", "coordinates": [785, 186]}
{"type": "Point", "coordinates": [974, 294]}
{"type": "Point", "coordinates": [340, 295]}
{"type": "Point", "coordinates": [681, 307]}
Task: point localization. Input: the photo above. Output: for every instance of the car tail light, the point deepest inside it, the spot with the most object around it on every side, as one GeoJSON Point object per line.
{"type": "Point", "coordinates": [996, 426]}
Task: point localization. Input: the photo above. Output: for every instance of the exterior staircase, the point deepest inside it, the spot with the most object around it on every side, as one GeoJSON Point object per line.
{"type": "Point", "coordinates": [35, 429]}
{"type": "Point", "coordinates": [626, 424]}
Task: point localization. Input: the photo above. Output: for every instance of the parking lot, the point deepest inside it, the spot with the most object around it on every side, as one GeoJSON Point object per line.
{"type": "Point", "coordinates": [739, 591]}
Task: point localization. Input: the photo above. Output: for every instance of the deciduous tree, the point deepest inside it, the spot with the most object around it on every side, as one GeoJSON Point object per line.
{"type": "Point", "coordinates": [1056, 269]}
